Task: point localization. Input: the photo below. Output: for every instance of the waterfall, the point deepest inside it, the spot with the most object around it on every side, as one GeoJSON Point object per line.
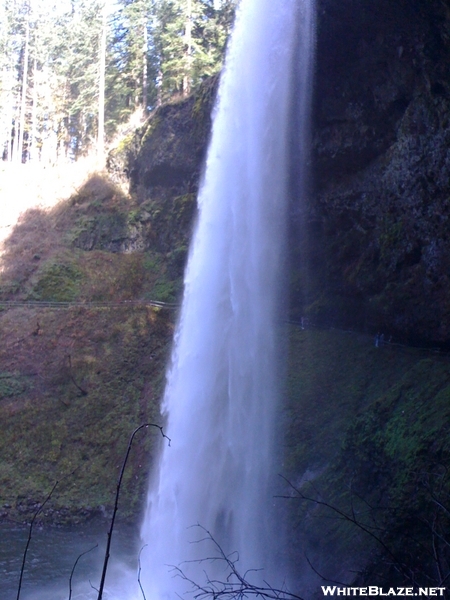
{"type": "Point", "coordinates": [222, 385]}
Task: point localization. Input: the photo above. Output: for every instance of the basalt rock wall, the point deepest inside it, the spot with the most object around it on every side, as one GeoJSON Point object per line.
{"type": "Point", "coordinates": [375, 229]}
{"type": "Point", "coordinates": [370, 240]}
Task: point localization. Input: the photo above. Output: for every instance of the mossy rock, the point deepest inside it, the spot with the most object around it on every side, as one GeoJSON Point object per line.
{"type": "Point", "coordinates": [367, 449]}
{"type": "Point", "coordinates": [52, 431]}
{"type": "Point", "coordinates": [12, 384]}
{"type": "Point", "coordinates": [59, 282]}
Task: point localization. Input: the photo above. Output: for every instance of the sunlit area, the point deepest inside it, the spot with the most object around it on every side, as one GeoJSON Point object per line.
{"type": "Point", "coordinates": [35, 185]}
{"type": "Point", "coordinates": [224, 299]}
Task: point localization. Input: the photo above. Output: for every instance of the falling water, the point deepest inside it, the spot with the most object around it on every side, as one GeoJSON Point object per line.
{"type": "Point", "coordinates": [222, 385]}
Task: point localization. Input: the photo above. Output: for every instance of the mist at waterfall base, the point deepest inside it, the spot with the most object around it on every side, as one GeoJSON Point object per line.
{"type": "Point", "coordinates": [223, 383]}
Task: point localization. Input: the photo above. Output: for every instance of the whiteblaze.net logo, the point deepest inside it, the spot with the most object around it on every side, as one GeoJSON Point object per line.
{"type": "Point", "coordinates": [374, 590]}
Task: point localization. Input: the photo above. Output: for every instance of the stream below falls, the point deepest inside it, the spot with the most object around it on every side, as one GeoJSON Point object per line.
{"type": "Point", "coordinates": [52, 554]}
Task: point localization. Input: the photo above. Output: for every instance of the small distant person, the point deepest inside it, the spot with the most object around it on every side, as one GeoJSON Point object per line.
{"type": "Point", "coordinates": [377, 340]}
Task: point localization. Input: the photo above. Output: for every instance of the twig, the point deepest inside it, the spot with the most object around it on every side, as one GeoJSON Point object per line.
{"type": "Point", "coordinates": [366, 528]}
{"type": "Point", "coordinates": [74, 567]}
{"type": "Point", "coordinates": [116, 503]}
{"type": "Point", "coordinates": [139, 571]}
{"type": "Point", "coordinates": [235, 586]}
{"type": "Point", "coordinates": [322, 576]}
{"type": "Point", "coordinates": [30, 532]}
{"type": "Point", "coordinates": [72, 378]}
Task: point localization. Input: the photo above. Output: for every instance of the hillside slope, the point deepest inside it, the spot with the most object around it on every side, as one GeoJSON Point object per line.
{"type": "Point", "coordinates": [77, 377]}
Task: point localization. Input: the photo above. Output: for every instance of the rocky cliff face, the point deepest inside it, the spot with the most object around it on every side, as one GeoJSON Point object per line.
{"type": "Point", "coordinates": [162, 162]}
{"type": "Point", "coordinates": [374, 230]}
{"type": "Point", "coordinates": [377, 222]}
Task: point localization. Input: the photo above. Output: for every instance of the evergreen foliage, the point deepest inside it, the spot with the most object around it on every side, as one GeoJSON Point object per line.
{"type": "Point", "coordinates": [50, 67]}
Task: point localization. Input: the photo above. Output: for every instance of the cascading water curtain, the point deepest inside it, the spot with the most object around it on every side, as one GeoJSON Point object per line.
{"type": "Point", "coordinates": [222, 384]}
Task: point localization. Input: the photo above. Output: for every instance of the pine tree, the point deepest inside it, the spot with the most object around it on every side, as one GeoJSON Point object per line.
{"type": "Point", "coordinates": [76, 62]}
{"type": "Point", "coordinates": [12, 46]}
{"type": "Point", "coordinates": [190, 39]}
{"type": "Point", "coordinates": [131, 76]}
{"type": "Point", "coordinates": [101, 85]}
{"type": "Point", "coordinates": [23, 92]}
{"type": "Point", "coordinates": [69, 72]}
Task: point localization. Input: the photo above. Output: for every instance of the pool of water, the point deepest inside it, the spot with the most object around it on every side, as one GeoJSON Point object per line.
{"type": "Point", "coordinates": [51, 557]}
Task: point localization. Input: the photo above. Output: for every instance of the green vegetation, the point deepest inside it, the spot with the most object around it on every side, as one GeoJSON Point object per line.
{"type": "Point", "coordinates": [139, 54]}
{"type": "Point", "coordinates": [368, 434]}
{"type": "Point", "coordinates": [98, 246]}
{"type": "Point", "coordinates": [75, 382]}
{"type": "Point", "coordinates": [12, 384]}
{"type": "Point", "coordinates": [58, 282]}
{"type": "Point", "coordinates": [52, 431]}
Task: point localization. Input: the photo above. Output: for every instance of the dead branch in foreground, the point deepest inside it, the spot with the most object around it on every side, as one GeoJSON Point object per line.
{"type": "Point", "coordinates": [30, 534]}
{"type": "Point", "coordinates": [116, 503]}
{"type": "Point", "coordinates": [234, 586]}
{"type": "Point", "coordinates": [75, 566]}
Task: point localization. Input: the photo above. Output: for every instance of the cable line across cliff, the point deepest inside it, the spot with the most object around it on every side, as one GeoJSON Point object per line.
{"type": "Point", "coordinates": [303, 324]}
{"type": "Point", "coordinates": [54, 304]}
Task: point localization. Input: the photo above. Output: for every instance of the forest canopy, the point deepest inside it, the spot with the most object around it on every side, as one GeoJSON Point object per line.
{"type": "Point", "coordinates": [72, 70]}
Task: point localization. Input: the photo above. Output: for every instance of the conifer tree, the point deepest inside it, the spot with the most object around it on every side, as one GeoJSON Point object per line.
{"type": "Point", "coordinates": [23, 91]}
{"type": "Point", "coordinates": [69, 71]}
{"type": "Point", "coordinates": [101, 86]}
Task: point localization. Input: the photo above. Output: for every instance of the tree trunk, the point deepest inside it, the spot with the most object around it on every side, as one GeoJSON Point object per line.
{"type": "Point", "coordinates": [15, 130]}
{"type": "Point", "coordinates": [8, 111]}
{"type": "Point", "coordinates": [101, 90]}
{"type": "Point", "coordinates": [159, 88]}
{"type": "Point", "coordinates": [188, 49]}
{"type": "Point", "coordinates": [144, 66]}
{"type": "Point", "coordinates": [32, 147]}
{"type": "Point", "coordinates": [23, 102]}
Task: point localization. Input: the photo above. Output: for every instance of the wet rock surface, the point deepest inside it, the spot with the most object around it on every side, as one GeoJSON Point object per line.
{"type": "Point", "coordinates": [377, 218]}
{"type": "Point", "coordinates": [162, 164]}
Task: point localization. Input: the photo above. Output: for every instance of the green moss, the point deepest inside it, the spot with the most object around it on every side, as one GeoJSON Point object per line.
{"type": "Point", "coordinates": [57, 433]}
{"type": "Point", "coordinates": [204, 97]}
{"type": "Point", "coordinates": [12, 384]}
{"type": "Point", "coordinates": [125, 143]}
{"type": "Point", "coordinates": [99, 231]}
{"type": "Point", "coordinates": [370, 426]}
{"type": "Point", "coordinates": [166, 291]}
{"type": "Point", "coordinates": [59, 282]}
{"type": "Point", "coordinates": [152, 262]}
{"type": "Point", "coordinates": [149, 128]}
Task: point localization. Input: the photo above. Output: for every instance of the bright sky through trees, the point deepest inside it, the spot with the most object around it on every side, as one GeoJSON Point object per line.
{"type": "Point", "coordinates": [66, 74]}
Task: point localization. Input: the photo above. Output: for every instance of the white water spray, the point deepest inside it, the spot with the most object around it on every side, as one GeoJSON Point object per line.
{"type": "Point", "coordinates": [222, 385]}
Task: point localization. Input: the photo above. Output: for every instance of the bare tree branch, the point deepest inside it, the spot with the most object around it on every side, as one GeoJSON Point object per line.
{"type": "Point", "coordinates": [234, 586]}
{"type": "Point", "coordinates": [367, 529]}
{"type": "Point", "coordinates": [116, 503]}
{"type": "Point", "coordinates": [139, 571]}
{"type": "Point", "coordinates": [75, 566]}
{"type": "Point", "coordinates": [72, 378]}
{"type": "Point", "coordinates": [30, 533]}
{"type": "Point", "coordinates": [322, 576]}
